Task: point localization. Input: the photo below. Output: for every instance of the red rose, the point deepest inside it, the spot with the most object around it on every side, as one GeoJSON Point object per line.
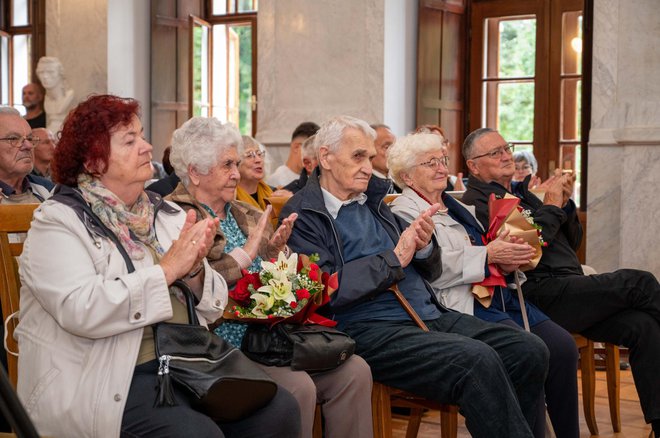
{"type": "Point", "coordinates": [314, 275]}
{"type": "Point", "coordinates": [241, 292]}
{"type": "Point", "coordinates": [313, 267]}
{"type": "Point", "coordinates": [302, 294]}
{"type": "Point", "coordinates": [293, 304]}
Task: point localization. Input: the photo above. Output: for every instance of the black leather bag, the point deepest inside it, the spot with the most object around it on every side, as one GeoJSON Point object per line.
{"type": "Point", "coordinates": [226, 385]}
{"type": "Point", "coordinates": [303, 347]}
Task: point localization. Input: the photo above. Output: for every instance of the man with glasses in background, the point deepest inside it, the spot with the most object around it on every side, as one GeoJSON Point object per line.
{"type": "Point", "coordinates": [17, 145]}
{"type": "Point", "coordinates": [620, 307]}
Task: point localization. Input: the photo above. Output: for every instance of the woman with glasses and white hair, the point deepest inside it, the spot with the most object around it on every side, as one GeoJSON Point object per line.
{"type": "Point", "coordinates": [418, 163]}
{"type": "Point", "coordinates": [252, 189]}
{"type": "Point", "coordinates": [526, 164]}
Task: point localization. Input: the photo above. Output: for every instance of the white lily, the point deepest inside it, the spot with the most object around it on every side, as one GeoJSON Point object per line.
{"type": "Point", "coordinates": [264, 303]}
{"type": "Point", "coordinates": [279, 290]}
{"type": "Point", "coordinates": [282, 265]}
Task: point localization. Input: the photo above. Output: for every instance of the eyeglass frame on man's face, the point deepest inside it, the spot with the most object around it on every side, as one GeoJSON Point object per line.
{"type": "Point", "coordinates": [497, 153]}
{"type": "Point", "coordinates": [434, 163]}
{"type": "Point", "coordinates": [253, 154]}
{"type": "Point", "coordinates": [16, 141]}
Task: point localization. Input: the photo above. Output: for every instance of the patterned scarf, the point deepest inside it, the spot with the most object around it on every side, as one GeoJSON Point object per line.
{"type": "Point", "coordinates": [121, 219]}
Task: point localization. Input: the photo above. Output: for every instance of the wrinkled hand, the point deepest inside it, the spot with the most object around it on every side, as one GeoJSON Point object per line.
{"type": "Point", "coordinates": [281, 236]}
{"type": "Point", "coordinates": [187, 252]}
{"type": "Point", "coordinates": [459, 186]}
{"type": "Point", "coordinates": [554, 189]}
{"type": "Point", "coordinates": [568, 186]}
{"type": "Point", "coordinates": [416, 236]}
{"type": "Point", "coordinates": [509, 253]}
{"type": "Point", "coordinates": [534, 182]}
{"type": "Point", "coordinates": [251, 246]}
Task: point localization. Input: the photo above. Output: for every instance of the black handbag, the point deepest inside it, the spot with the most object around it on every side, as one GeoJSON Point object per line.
{"type": "Point", "coordinates": [309, 348]}
{"type": "Point", "coordinates": [226, 385]}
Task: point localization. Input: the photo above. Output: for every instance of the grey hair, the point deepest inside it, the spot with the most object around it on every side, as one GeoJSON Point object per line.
{"type": "Point", "coordinates": [471, 139]}
{"type": "Point", "coordinates": [402, 155]}
{"type": "Point", "coordinates": [9, 111]}
{"type": "Point", "coordinates": [331, 133]}
{"type": "Point", "coordinates": [307, 149]}
{"type": "Point", "coordinates": [527, 157]}
{"type": "Point", "coordinates": [198, 143]}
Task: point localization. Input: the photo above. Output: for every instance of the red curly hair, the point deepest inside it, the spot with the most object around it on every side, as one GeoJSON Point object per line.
{"type": "Point", "coordinates": [85, 136]}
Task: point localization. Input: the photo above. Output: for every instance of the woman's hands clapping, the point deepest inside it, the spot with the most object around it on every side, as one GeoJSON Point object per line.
{"type": "Point", "coordinates": [278, 239]}
{"type": "Point", "coordinates": [509, 253]}
{"type": "Point", "coordinates": [416, 236]}
{"type": "Point", "coordinates": [186, 253]}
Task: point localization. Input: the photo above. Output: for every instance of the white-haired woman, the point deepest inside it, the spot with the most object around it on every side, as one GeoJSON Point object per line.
{"type": "Point", "coordinates": [205, 154]}
{"type": "Point", "coordinates": [526, 164]}
{"type": "Point", "coordinates": [418, 163]}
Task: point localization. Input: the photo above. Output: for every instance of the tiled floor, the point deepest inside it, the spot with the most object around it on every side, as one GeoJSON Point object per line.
{"type": "Point", "coordinates": [633, 425]}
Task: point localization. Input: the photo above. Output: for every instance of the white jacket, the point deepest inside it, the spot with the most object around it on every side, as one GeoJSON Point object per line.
{"type": "Point", "coordinates": [82, 317]}
{"type": "Point", "coordinates": [462, 263]}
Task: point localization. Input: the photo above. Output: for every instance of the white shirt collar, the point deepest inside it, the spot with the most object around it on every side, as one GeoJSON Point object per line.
{"type": "Point", "coordinates": [333, 204]}
{"type": "Point", "coordinates": [374, 172]}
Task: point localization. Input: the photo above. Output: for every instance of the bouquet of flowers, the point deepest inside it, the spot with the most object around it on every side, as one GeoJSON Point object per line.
{"type": "Point", "coordinates": [288, 289]}
{"type": "Point", "coordinates": [506, 213]}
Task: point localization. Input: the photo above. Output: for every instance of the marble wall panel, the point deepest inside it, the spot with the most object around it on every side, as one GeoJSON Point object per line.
{"type": "Point", "coordinates": [603, 207]}
{"type": "Point", "coordinates": [317, 59]}
{"type": "Point", "coordinates": [640, 208]}
{"type": "Point", "coordinates": [77, 34]}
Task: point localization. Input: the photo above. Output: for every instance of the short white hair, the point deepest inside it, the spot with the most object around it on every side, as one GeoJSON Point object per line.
{"type": "Point", "coordinates": [198, 143]}
{"type": "Point", "coordinates": [7, 110]}
{"type": "Point", "coordinates": [404, 153]}
{"type": "Point", "coordinates": [331, 132]}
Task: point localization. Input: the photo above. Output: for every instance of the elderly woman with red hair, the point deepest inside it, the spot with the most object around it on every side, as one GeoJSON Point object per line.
{"type": "Point", "coordinates": [88, 364]}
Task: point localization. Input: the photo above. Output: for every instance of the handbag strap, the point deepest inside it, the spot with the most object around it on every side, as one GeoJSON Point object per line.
{"type": "Point", "coordinates": [73, 200]}
{"type": "Point", "coordinates": [407, 307]}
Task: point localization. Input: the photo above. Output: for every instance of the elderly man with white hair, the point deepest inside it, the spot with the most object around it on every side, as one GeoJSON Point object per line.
{"type": "Point", "coordinates": [493, 372]}
{"type": "Point", "coordinates": [17, 145]}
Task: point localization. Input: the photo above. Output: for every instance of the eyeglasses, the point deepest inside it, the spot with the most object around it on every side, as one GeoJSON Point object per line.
{"type": "Point", "coordinates": [17, 142]}
{"type": "Point", "coordinates": [252, 155]}
{"type": "Point", "coordinates": [497, 153]}
{"type": "Point", "coordinates": [435, 162]}
{"type": "Point", "coordinates": [524, 167]}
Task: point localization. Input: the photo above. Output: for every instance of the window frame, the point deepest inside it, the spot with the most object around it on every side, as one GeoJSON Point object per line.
{"type": "Point", "coordinates": [240, 18]}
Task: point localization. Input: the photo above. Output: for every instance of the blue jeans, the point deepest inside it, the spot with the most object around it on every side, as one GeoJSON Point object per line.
{"type": "Point", "coordinates": [494, 373]}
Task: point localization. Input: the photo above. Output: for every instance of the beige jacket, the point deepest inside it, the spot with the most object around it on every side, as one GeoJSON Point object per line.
{"type": "Point", "coordinates": [82, 318]}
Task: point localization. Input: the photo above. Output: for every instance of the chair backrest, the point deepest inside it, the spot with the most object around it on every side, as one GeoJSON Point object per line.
{"type": "Point", "coordinates": [13, 219]}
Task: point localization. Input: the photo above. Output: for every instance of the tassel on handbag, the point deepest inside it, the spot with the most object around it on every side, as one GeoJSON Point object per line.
{"type": "Point", "coordinates": [165, 392]}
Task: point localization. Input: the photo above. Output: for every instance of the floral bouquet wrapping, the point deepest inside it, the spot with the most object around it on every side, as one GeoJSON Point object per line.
{"type": "Point", "coordinates": [285, 290]}
{"type": "Point", "coordinates": [507, 214]}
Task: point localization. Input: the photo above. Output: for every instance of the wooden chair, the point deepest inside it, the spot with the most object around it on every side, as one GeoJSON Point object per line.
{"type": "Point", "coordinates": [383, 397]}
{"type": "Point", "coordinates": [13, 219]}
{"type": "Point", "coordinates": [588, 372]}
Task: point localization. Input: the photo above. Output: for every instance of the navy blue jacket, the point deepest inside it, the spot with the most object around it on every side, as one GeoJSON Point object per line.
{"type": "Point", "coordinates": [365, 278]}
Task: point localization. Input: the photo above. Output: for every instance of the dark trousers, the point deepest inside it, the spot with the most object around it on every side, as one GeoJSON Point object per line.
{"type": "Point", "coordinates": [494, 373]}
{"type": "Point", "coordinates": [561, 384]}
{"type": "Point", "coordinates": [280, 418]}
{"type": "Point", "coordinates": [620, 307]}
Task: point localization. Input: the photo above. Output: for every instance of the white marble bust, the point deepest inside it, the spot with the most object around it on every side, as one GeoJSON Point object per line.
{"type": "Point", "coordinates": [58, 100]}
